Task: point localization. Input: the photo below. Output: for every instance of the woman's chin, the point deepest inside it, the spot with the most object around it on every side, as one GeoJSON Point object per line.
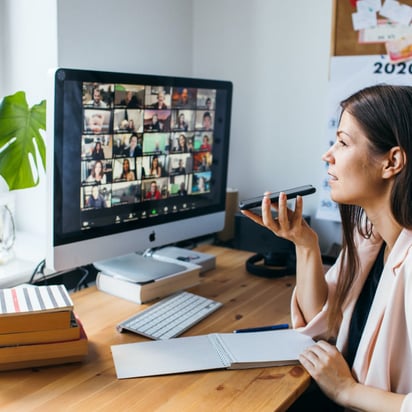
{"type": "Point", "coordinates": [334, 195]}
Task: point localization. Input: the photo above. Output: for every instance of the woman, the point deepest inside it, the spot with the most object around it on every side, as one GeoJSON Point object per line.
{"type": "Point", "coordinates": [181, 144]}
{"type": "Point", "coordinates": [206, 146]}
{"type": "Point", "coordinates": [127, 174]}
{"type": "Point", "coordinates": [97, 175]}
{"type": "Point", "coordinates": [155, 168]}
{"type": "Point", "coordinates": [154, 192]}
{"type": "Point", "coordinates": [364, 303]}
{"type": "Point", "coordinates": [97, 152]}
{"type": "Point", "coordinates": [181, 123]}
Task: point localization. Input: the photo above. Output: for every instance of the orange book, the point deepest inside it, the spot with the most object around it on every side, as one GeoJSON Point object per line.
{"type": "Point", "coordinates": [42, 336]}
{"type": "Point", "coordinates": [42, 354]}
{"type": "Point", "coordinates": [40, 362]}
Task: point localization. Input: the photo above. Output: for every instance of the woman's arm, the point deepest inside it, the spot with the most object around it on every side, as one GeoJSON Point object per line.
{"type": "Point", "coordinates": [329, 369]}
{"type": "Point", "coordinates": [311, 287]}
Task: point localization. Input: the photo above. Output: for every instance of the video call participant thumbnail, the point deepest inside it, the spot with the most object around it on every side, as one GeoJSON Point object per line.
{"type": "Point", "coordinates": [158, 98]}
{"type": "Point", "coordinates": [184, 97]}
{"type": "Point", "coordinates": [97, 121]}
{"type": "Point", "coordinates": [157, 120]}
{"type": "Point", "coordinates": [129, 96]}
{"type": "Point", "coordinates": [97, 95]}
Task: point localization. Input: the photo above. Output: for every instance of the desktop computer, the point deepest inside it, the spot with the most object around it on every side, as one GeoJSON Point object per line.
{"type": "Point", "coordinates": [138, 162]}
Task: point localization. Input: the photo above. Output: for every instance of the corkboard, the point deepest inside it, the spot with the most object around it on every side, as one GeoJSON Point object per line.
{"type": "Point", "coordinates": [345, 39]}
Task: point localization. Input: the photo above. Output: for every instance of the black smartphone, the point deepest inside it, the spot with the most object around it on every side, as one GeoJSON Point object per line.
{"type": "Point", "coordinates": [274, 197]}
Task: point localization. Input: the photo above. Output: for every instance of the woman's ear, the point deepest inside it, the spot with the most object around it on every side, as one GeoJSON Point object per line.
{"type": "Point", "coordinates": [395, 161]}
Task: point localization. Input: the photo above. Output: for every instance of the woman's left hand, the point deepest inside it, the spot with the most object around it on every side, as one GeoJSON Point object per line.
{"type": "Point", "coordinates": [329, 369]}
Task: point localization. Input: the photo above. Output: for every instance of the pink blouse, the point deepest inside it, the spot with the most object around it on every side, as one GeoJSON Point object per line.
{"type": "Point", "coordinates": [384, 356]}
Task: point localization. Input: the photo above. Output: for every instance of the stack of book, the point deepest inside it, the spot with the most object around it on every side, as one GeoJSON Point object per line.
{"type": "Point", "coordinates": [38, 327]}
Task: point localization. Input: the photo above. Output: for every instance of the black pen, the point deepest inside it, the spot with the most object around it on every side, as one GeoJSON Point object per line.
{"type": "Point", "coordinates": [263, 328]}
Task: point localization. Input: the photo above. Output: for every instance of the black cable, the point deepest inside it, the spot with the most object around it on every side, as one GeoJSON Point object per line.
{"type": "Point", "coordinates": [38, 269]}
{"type": "Point", "coordinates": [82, 279]}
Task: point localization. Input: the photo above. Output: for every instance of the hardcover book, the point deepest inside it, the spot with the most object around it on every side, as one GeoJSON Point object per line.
{"type": "Point", "coordinates": [153, 277]}
{"type": "Point", "coordinates": [34, 308]}
{"type": "Point", "coordinates": [145, 292]}
{"type": "Point", "coordinates": [42, 354]}
{"type": "Point", "coordinates": [42, 336]}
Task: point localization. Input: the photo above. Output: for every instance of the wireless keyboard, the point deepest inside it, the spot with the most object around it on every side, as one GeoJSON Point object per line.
{"type": "Point", "coordinates": [171, 316]}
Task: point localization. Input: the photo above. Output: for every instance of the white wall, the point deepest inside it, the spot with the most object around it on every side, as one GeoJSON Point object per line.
{"type": "Point", "coordinates": [126, 35]}
{"type": "Point", "coordinates": [275, 52]}
{"type": "Point", "coordinates": [277, 55]}
{"type": "Point", "coordinates": [28, 46]}
{"type": "Point", "coordinates": [2, 44]}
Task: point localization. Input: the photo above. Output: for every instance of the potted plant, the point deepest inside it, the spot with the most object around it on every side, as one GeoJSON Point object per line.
{"type": "Point", "coordinates": [22, 148]}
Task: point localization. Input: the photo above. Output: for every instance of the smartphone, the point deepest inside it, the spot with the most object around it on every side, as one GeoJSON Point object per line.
{"type": "Point", "coordinates": [274, 197]}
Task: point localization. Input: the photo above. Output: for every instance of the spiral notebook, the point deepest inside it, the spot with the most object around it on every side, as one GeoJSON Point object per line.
{"type": "Point", "coordinates": [206, 352]}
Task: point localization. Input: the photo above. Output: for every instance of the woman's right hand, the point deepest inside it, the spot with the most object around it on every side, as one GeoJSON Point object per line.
{"type": "Point", "coordinates": [289, 224]}
{"type": "Point", "coordinates": [311, 288]}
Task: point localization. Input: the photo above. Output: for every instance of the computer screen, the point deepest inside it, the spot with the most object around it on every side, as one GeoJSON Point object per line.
{"type": "Point", "coordinates": [138, 161]}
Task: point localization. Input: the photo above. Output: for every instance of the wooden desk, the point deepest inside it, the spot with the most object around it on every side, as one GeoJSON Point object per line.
{"type": "Point", "coordinates": [93, 386]}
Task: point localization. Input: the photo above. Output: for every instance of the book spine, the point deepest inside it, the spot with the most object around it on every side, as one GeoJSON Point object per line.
{"type": "Point", "coordinates": [141, 293]}
{"type": "Point", "coordinates": [40, 362]}
{"type": "Point", "coordinates": [168, 286]}
{"type": "Point", "coordinates": [44, 351]}
{"type": "Point", "coordinates": [30, 322]}
{"type": "Point", "coordinates": [42, 336]}
{"type": "Point", "coordinates": [120, 288]}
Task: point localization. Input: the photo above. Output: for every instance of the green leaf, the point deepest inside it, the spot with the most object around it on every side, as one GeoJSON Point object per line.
{"type": "Point", "coordinates": [19, 129]}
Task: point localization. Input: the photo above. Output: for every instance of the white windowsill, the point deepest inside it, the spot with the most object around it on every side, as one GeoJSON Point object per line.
{"type": "Point", "coordinates": [29, 252]}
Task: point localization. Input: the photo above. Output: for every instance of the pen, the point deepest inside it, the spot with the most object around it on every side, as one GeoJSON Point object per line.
{"type": "Point", "coordinates": [263, 328]}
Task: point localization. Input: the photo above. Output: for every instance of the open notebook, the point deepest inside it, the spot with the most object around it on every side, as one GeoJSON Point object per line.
{"type": "Point", "coordinates": [205, 352]}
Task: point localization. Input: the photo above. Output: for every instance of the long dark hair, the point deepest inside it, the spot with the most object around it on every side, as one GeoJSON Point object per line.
{"type": "Point", "coordinates": [384, 113]}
